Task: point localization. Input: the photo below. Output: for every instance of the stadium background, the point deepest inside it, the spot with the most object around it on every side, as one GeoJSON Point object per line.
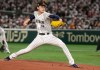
{"type": "Point", "coordinates": [82, 18]}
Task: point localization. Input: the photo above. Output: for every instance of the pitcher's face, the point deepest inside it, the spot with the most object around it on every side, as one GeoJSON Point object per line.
{"type": "Point", "coordinates": [41, 9]}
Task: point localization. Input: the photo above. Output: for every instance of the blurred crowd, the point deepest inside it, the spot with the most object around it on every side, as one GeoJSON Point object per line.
{"type": "Point", "coordinates": [77, 14]}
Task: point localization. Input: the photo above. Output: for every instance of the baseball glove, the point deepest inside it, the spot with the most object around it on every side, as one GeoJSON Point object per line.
{"type": "Point", "coordinates": [57, 24]}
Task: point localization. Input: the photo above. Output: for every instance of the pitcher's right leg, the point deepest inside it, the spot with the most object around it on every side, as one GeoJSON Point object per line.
{"type": "Point", "coordinates": [35, 43]}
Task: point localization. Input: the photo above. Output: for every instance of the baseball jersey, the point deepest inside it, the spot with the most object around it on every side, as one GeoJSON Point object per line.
{"type": "Point", "coordinates": [42, 22]}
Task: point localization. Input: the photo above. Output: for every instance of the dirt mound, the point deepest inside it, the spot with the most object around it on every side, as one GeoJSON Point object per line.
{"type": "Point", "coordinates": [41, 65]}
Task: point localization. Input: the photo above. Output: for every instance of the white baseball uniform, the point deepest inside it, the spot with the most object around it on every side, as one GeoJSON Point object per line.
{"type": "Point", "coordinates": [44, 36]}
{"type": "Point", "coordinates": [3, 39]}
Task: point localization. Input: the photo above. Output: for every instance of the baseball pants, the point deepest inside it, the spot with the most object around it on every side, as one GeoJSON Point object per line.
{"type": "Point", "coordinates": [45, 39]}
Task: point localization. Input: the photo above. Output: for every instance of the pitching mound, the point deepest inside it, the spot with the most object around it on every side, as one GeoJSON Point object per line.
{"type": "Point", "coordinates": [41, 65]}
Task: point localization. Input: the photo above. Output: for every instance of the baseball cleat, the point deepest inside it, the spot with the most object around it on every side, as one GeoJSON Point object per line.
{"type": "Point", "coordinates": [75, 66]}
{"type": "Point", "coordinates": [7, 58]}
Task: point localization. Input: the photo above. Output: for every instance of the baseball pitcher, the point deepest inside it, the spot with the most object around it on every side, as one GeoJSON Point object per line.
{"type": "Point", "coordinates": [44, 34]}
{"type": "Point", "coordinates": [4, 47]}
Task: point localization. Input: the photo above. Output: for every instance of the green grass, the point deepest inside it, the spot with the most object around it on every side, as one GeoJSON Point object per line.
{"type": "Point", "coordinates": [83, 54]}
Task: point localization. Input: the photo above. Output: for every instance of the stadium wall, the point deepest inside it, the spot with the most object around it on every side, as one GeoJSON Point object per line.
{"type": "Point", "coordinates": [68, 36]}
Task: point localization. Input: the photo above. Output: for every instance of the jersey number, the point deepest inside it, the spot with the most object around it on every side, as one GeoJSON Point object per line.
{"type": "Point", "coordinates": [42, 25]}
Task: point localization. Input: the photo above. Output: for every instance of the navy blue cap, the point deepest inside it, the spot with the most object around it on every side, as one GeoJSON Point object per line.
{"type": "Point", "coordinates": [42, 3]}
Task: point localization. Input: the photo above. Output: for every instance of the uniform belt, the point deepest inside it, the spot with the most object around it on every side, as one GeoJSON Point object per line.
{"type": "Point", "coordinates": [44, 33]}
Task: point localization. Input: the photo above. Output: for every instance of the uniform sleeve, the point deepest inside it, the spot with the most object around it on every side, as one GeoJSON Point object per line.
{"type": "Point", "coordinates": [54, 17]}
{"type": "Point", "coordinates": [48, 15]}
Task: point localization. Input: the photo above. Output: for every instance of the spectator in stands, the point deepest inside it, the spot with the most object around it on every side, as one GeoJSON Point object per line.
{"type": "Point", "coordinates": [87, 9]}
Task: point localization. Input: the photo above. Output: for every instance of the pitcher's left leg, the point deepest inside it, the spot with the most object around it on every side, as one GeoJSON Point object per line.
{"type": "Point", "coordinates": [56, 41]}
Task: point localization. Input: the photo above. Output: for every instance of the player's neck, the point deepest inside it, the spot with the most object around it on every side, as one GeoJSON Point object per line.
{"type": "Point", "coordinates": [39, 13]}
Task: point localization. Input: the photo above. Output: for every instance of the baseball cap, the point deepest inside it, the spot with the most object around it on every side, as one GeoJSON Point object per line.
{"type": "Point", "coordinates": [42, 3]}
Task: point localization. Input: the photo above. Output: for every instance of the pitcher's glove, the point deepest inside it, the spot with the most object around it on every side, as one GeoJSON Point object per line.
{"type": "Point", "coordinates": [57, 23]}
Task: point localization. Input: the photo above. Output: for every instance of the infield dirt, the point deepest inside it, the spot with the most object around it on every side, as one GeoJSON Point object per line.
{"type": "Point", "coordinates": [41, 65]}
